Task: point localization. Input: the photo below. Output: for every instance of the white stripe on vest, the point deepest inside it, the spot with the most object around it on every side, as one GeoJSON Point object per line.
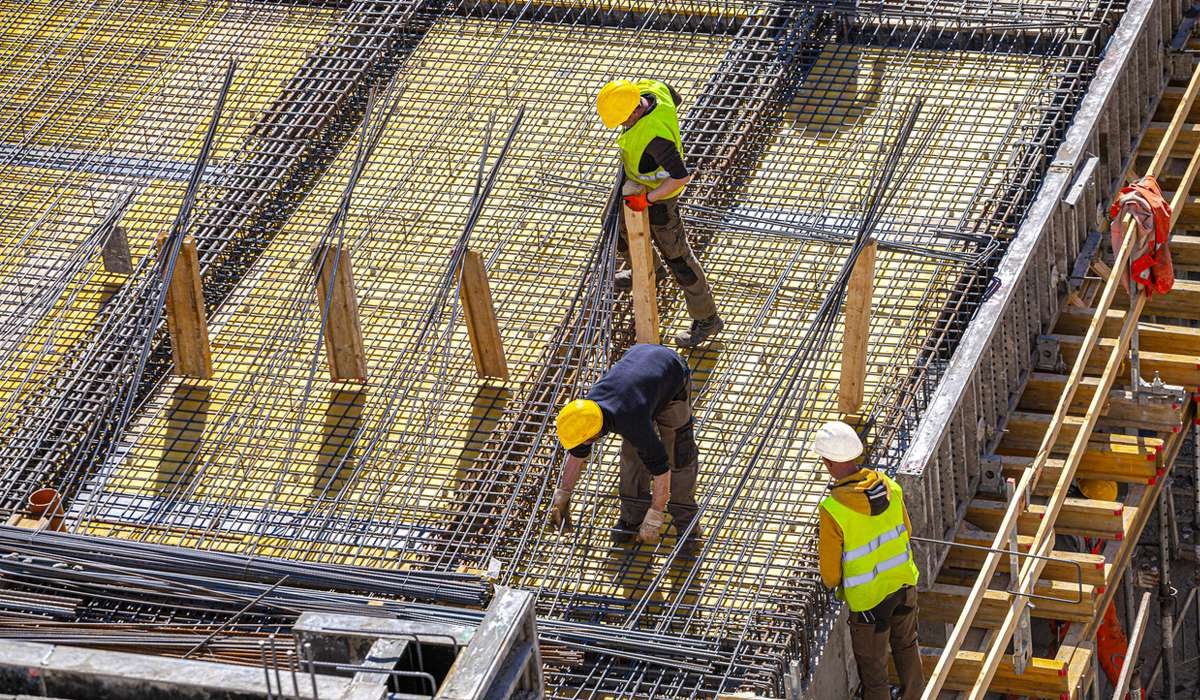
{"type": "Point", "coordinates": [885, 565]}
{"type": "Point", "coordinates": [874, 544]}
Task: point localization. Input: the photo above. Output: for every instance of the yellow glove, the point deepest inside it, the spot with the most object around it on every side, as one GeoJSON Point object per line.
{"type": "Point", "coordinates": [652, 524]}
{"type": "Point", "coordinates": [560, 510]}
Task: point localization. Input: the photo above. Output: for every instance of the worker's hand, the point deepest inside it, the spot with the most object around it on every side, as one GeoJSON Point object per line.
{"type": "Point", "coordinates": [637, 202]}
{"type": "Point", "coordinates": [560, 510]}
{"type": "Point", "coordinates": [652, 524]}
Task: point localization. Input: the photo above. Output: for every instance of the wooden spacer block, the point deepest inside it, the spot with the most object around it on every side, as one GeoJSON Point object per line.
{"type": "Point", "coordinates": [338, 303]}
{"type": "Point", "coordinates": [857, 310]}
{"type": "Point", "coordinates": [641, 259]}
{"type": "Point", "coordinates": [186, 319]}
{"type": "Point", "coordinates": [476, 293]}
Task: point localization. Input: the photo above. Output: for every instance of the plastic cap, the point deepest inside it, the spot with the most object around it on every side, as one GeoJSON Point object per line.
{"type": "Point", "coordinates": [616, 102]}
{"type": "Point", "coordinates": [578, 422]}
{"type": "Point", "coordinates": [837, 442]}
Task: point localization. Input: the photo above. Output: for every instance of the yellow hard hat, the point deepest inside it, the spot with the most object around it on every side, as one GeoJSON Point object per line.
{"type": "Point", "coordinates": [616, 102]}
{"type": "Point", "coordinates": [578, 422]}
{"type": "Point", "coordinates": [1098, 489]}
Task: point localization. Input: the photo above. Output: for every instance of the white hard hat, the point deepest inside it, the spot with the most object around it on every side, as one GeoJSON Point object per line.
{"type": "Point", "coordinates": [837, 442]}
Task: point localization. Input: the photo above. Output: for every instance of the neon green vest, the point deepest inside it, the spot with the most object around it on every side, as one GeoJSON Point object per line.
{"type": "Point", "coordinates": [876, 557]}
{"type": "Point", "coordinates": [662, 121]}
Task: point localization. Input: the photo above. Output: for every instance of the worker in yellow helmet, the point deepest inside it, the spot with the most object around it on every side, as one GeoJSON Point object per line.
{"type": "Point", "coordinates": [645, 398]}
{"type": "Point", "coordinates": [654, 175]}
{"type": "Point", "coordinates": [865, 555]}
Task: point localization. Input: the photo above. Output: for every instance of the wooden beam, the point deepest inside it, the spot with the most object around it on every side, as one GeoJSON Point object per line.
{"type": "Point", "coordinates": [1183, 301]}
{"type": "Point", "coordinates": [942, 601]}
{"type": "Point", "coordinates": [1185, 250]}
{"type": "Point", "coordinates": [1174, 369]}
{"type": "Point", "coordinates": [1042, 391]}
{"type": "Point", "coordinates": [641, 260]}
{"type": "Point", "coordinates": [187, 322]}
{"type": "Point", "coordinates": [1077, 516]}
{"type": "Point", "coordinates": [1066, 566]}
{"type": "Point", "coordinates": [339, 309]}
{"type": "Point", "coordinates": [857, 329]}
{"type": "Point", "coordinates": [1124, 472]}
{"type": "Point", "coordinates": [1154, 337]}
{"type": "Point", "coordinates": [480, 315]}
{"type": "Point", "coordinates": [1043, 678]}
{"type": "Point", "coordinates": [1022, 431]}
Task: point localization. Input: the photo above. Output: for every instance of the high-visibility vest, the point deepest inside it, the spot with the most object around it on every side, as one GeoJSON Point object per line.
{"type": "Point", "coordinates": [876, 555]}
{"type": "Point", "coordinates": [661, 122]}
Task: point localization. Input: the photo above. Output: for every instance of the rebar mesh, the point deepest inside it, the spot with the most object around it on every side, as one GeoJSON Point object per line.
{"type": "Point", "coordinates": [788, 112]}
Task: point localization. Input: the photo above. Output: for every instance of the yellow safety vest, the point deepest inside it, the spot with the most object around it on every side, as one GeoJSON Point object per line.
{"type": "Point", "coordinates": [662, 121]}
{"type": "Point", "coordinates": [876, 556]}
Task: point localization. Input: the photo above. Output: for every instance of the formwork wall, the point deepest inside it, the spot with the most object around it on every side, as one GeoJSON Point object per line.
{"type": "Point", "coordinates": [788, 112]}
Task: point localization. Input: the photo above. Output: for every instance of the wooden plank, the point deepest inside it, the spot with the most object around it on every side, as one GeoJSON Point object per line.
{"type": "Point", "coordinates": [338, 304]}
{"type": "Point", "coordinates": [187, 322]}
{"type": "Point", "coordinates": [942, 601]}
{"type": "Point", "coordinates": [1077, 516]}
{"type": "Point", "coordinates": [641, 260]}
{"type": "Point", "coordinates": [1042, 391]}
{"type": "Point", "coordinates": [1183, 301]}
{"type": "Point", "coordinates": [1177, 370]}
{"type": "Point", "coordinates": [1153, 337]}
{"type": "Point", "coordinates": [1043, 678]}
{"type": "Point", "coordinates": [480, 315]}
{"type": "Point", "coordinates": [1022, 431]}
{"type": "Point", "coordinates": [1128, 473]}
{"type": "Point", "coordinates": [1067, 566]}
{"type": "Point", "coordinates": [1185, 250]}
{"type": "Point", "coordinates": [857, 329]}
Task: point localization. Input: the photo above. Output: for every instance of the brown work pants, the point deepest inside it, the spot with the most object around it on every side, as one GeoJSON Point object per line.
{"type": "Point", "coordinates": [674, 423]}
{"type": "Point", "coordinates": [893, 622]}
{"type": "Point", "coordinates": [669, 236]}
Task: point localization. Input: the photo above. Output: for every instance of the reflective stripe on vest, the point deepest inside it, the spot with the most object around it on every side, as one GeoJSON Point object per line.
{"type": "Point", "coordinates": [660, 122]}
{"type": "Point", "coordinates": [885, 565]}
{"type": "Point", "coordinates": [876, 557]}
{"type": "Point", "coordinates": [873, 545]}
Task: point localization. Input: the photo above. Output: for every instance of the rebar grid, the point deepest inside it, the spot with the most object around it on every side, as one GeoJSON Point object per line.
{"type": "Point", "coordinates": [787, 112]}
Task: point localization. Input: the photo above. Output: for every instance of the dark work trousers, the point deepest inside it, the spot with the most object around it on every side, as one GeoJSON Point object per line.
{"type": "Point", "coordinates": [674, 423]}
{"type": "Point", "coordinates": [669, 236]}
{"type": "Point", "coordinates": [891, 623]}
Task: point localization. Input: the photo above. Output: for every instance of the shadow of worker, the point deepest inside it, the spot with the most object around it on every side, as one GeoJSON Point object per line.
{"type": "Point", "coordinates": [335, 459]}
{"type": "Point", "coordinates": [186, 419]}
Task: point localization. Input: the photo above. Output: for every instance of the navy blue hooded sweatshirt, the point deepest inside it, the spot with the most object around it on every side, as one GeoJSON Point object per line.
{"type": "Point", "coordinates": [633, 391]}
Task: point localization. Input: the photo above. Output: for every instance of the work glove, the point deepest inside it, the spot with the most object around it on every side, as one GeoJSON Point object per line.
{"type": "Point", "coordinates": [560, 510]}
{"type": "Point", "coordinates": [652, 524]}
{"type": "Point", "coordinates": [637, 202]}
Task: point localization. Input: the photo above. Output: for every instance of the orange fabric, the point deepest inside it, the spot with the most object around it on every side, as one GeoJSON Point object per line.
{"type": "Point", "coordinates": [1111, 644]}
{"type": "Point", "coordinates": [1151, 260]}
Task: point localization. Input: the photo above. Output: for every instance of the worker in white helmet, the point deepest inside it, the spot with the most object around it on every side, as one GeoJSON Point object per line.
{"type": "Point", "coordinates": [866, 557]}
{"type": "Point", "coordinates": [653, 176]}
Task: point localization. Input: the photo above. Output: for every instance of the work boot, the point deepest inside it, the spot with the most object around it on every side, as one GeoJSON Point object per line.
{"type": "Point", "coordinates": [699, 332]}
{"type": "Point", "coordinates": [623, 280]}
{"type": "Point", "coordinates": [622, 533]}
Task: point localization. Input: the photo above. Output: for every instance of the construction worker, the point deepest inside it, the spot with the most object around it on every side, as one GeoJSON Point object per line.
{"type": "Point", "coordinates": [644, 398]}
{"type": "Point", "coordinates": [654, 176]}
{"type": "Point", "coordinates": [865, 556]}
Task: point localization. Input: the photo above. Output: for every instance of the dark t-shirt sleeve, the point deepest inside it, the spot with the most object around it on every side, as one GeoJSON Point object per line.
{"type": "Point", "coordinates": [666, 155]}
{"type": "Point", "coordinates": [581, 451]}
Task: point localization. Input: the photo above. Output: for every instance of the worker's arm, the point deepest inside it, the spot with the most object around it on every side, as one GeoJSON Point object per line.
{"type": "Point", "coordinates": [660, 491]}
{"type": "Point", "coordinates": [829, 550]}
{"type": "Point", "coordinates": [560, 502]}
{"type": "Point", "coordinates": [667, 187]}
